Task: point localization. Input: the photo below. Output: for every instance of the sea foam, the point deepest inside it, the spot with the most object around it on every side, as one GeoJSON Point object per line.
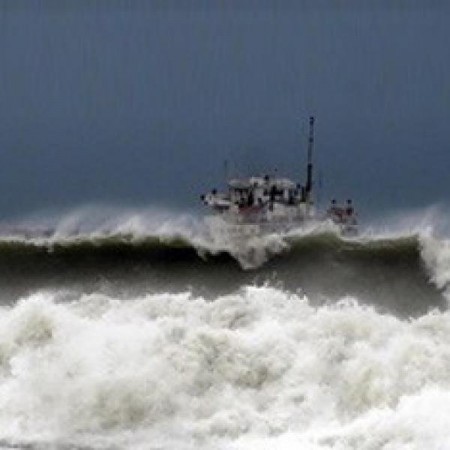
{"type": "Point", "coordinates": [256, 369]}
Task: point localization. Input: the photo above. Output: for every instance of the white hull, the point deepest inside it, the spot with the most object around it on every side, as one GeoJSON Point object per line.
{"type": "Point", "coordinates": [223, 229]}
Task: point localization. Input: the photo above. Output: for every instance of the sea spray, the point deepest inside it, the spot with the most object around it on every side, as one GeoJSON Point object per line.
{"type": "Point", "coordinates": [136, 329]}
{"type": "Point", "coordinates": [436, 255]}
{"type": "Point", "coordinates": [251, 368]}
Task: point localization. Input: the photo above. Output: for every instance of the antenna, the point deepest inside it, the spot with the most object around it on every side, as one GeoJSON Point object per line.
{"type": "Point", "coordinates": [309, 168]}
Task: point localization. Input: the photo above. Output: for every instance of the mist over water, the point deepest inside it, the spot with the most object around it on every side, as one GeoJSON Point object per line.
{"type": "Point", "coordinates": [138, 329]}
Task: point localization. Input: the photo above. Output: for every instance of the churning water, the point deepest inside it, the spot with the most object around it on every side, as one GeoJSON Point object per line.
{"type": "Point", "coordinates": [161, 339]}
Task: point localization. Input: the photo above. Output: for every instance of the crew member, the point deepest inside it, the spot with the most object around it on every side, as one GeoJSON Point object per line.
{"type": "Point", "coordinates": [349, 209]}
{"type": "Point", "coordinates": [335, 212]}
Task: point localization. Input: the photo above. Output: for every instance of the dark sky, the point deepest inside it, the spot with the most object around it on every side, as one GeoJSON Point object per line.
{"type": "Point", "coordinates": [139, 103]}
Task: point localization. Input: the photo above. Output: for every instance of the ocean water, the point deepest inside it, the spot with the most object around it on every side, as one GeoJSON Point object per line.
{"type": "Point", "coordinates": [141, 332]}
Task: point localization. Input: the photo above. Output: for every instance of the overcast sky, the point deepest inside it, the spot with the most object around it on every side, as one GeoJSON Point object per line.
{"type": "Point", "coordinates": [139, 103]}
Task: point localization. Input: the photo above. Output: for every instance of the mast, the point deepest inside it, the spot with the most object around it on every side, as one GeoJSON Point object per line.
{"type": "Point", "coordinates": [309, 168]}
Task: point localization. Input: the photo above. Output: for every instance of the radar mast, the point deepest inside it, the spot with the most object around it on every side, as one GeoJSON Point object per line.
{"type": "Point", "coordinates": [309, 168]}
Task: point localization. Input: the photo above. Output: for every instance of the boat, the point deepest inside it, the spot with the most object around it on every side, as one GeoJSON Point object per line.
{"type": "Point", "coordinates": [265, 204]}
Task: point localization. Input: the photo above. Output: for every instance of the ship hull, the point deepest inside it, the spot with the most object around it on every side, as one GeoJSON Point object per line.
{"type": "Point", "coordinates": [222, 229]}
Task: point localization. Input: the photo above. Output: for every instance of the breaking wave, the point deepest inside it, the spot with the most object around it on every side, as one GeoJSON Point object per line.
{"type": "Point", "coordinates": [258, 368]}
{"type": "Point", "coordinates": [146, 333]}
{"type": "Point", "coordinates": [406, 274]}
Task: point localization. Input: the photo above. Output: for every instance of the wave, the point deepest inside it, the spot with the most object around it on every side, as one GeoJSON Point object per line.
{"type": "Point", "coordinates": [114, 337]}
{"type": "Point", "coordinates": [399, 265]}
{"type": "Point", "coordinates": [257, 368]}
{"type": "Point", "coordinates": [406, 274]}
